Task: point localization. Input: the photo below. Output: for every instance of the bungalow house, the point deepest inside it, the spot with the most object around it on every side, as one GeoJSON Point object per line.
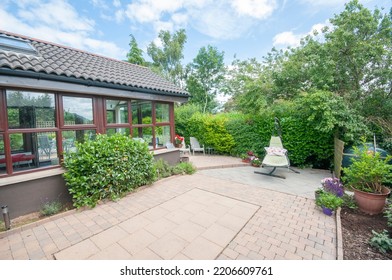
{"type": "Point", "coordinates": [52, 96]}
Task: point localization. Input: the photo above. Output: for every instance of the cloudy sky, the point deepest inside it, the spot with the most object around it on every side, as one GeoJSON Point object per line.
{"type": "Point", "coordinates": [245, 28]}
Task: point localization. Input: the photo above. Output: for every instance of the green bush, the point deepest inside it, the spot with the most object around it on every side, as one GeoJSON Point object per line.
{"type": "Point", "coordinates": [162, 169]}
{"type": "Point", "coordinates": [381, 241]}
{"type": "Point", "coordinates": [51, 208]}
{"type": "Point", "coordinates": [183, 168]}
{"type": "Point", "coordinates": [107, 168]}
{"type": "Point", "coordinates": [388, 213]}
{"type": "Point", "coordinates": [309, 125]}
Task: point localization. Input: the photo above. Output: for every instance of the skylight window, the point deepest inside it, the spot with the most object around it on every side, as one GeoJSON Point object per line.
{"type": "Point", "coordinates": [16, 45]}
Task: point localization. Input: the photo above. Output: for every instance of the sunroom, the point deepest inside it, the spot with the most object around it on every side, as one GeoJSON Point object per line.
{"type": "Point", "coordinates": [53, 96]}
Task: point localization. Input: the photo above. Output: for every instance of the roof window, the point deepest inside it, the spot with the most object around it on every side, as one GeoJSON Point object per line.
{"type": "Point", "coordinates": [16, 45]}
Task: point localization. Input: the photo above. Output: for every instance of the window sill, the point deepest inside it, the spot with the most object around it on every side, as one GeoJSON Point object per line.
{"type": "Point", "coordinates": [30, 176]}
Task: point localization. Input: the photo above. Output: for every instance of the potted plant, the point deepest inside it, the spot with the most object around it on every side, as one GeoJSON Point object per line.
{"type": "Point", "coordinates": [328, 202]}
{"type": "Point", "coordinates": [367, 176]}
{"type": "Point", "coordinates": [333, 185]}
{"type": "Point", "coordinates": [317, 192]}
{"type": "Point", "coordinates": [248, 157]}
{"type": "Point", "coordinates": [256, 162]}
{"type": "Point", "coordinates": [178, 141]}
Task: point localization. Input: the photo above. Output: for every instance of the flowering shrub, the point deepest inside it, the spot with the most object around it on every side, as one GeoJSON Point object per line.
{"type": "Point", "coordinates": [333, 185]}
{"type": "Point", "coordinates": [256, 161]}
{"type": "Point", "coordinates": [178, 139]}
{"type": "Point", "coordinates": [249, 156]}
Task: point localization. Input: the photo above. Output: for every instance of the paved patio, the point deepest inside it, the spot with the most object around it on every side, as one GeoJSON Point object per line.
{"type": "Point", "coordinates": [218, 213]}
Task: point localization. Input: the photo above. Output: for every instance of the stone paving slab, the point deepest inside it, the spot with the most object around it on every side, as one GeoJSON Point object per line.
{"type": "Point", "coordinates": [160, 233]}
{"type": "Point", "coordinates": [224, 214]}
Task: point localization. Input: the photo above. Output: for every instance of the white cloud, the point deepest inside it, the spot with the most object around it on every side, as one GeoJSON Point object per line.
{"type": "Point", "coordinates": [324, 3]}
{"type": "Point", "coordinates": [56, 13]}
{"type": "Point", "coordinates": [288, 38]}
{"type": "Point", "coordinates": [119, 16]}
{"type": "Point", "coordinates": [220, 19]}
{"type": "Point", "coordinates": [259, 9]}
{"type": "Point", "coordinates": [117, 3]}
{"type": "Point", "coordinates": [57, 21]}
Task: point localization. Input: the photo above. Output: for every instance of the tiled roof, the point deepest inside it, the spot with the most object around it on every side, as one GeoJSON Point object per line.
{"type": "Point", "coordinates": [53, 59]}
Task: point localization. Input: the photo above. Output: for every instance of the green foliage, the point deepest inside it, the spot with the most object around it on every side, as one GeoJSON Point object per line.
{"type": "Point", "coordinates": [205, 75]}
{"type": "Point", "coordinates": [381, 241]}
{"type": "Point", "coordinates": [327, 113]}
{"type": "Point", "coordinates": [250, 133]}
{"type": "Point", "coordinates": [329, 200]}
{"type": "Point", "coordinates": [367, 172]}
{"type": "Point", "coordinates": [135, 54]}
{"type": "Point", "coordinates": [388, 214]}
{"type": "Point", "coordinates": [349, 201]}
{"type": "Point", "coordinates": [107, 168]}
{"type": "Point", "coordinates": [162, 168]}
{"type": "Point", "coordinates": [184, 168]}
{"type": "Point", "coordinates": [167, 59]}
{"type": "Point", "coordinates": [51, 208]}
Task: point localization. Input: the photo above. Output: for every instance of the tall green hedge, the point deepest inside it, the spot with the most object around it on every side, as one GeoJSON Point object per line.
{"type": "Point", "coordinates": [107, 167]}
{"type": "Point", "coordinates": [309, 125]}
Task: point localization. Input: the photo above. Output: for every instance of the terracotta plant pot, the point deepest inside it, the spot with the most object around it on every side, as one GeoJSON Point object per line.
{"type": "Point", "coordinates": [371, 203]}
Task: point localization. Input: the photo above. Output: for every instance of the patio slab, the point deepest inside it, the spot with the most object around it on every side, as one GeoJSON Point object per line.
{"type": "Point", "coordinates": [214, 214]}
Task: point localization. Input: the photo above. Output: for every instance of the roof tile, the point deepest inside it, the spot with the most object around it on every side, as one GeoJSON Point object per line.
{"type": "Point", "coordinates": [59, 60]}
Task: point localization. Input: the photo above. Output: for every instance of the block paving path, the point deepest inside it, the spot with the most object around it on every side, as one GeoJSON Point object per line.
{"type": "Point", "coordinates": [183, 217]}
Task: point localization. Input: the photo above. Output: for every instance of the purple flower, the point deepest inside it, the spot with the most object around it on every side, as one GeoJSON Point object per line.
{"type": "Point", "coordinates": [333, 185]}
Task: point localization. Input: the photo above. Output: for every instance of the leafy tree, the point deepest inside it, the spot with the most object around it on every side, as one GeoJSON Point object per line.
{"type": "Point", "coordinates": [204, 77]}
{"type": "Point", "coordinates": [249, 84]}
{"type": "Point", "coordinates": [167, 59]}
{"type": "Point", "coordinates": [135, 54]}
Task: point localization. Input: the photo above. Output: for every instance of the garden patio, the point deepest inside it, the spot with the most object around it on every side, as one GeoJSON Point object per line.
{"type": "Point", "coordinates": [223, 211]}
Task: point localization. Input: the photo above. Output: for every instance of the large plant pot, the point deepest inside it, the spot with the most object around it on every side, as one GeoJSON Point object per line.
{"type": "Point", "coordinates": [371, 203]}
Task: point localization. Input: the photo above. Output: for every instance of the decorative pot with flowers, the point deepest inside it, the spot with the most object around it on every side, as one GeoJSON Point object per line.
{"type": "Point", "coordinates": [333, 185]}
{"type": "Point", "coordinates": [178, 141]}
{"type": "Point", "coordinates": [248, 157]}
{"type": "Point", "coordinates": [329, 202]}
{"type": "Point", "coordinates": [367, 176]}
{"type": "Point", "coordinates": [256, 162]}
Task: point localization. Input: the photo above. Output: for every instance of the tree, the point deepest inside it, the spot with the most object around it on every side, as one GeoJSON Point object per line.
{"type": "Point", "coordinates": [204, 77]}
{"type": "Point", "coordinates": [249, 84]}
{"type": "Point", "coordinates": [167, 59]}
{"type": "Point", "coordinates": [135, 54]}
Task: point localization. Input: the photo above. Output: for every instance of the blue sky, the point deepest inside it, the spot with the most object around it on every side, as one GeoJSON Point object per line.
{"type": "Point", "coordinates": [245, 28]}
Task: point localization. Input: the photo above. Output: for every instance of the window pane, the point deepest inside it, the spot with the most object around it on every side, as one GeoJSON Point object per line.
{"type": "Point", "coordinates": [162, 112]}
{"type": "Point", "coordinates": [162, 134]}
{"type": "Point", "coordinates": [77, 110]}
{"type": "Point", "coordinates": [33, 150]}
{"type": "Point", "coordinates": [144, 133]}
{"type": "Point", "coordinates": [125, 131]}
{"type": "Point", "coordinates": [2, 155]}
{"type": "Point", "coordinates": [141, 112]}
{"type": "Point", "coordinates": [70, 137]}
{"type": "Point", "coordinates": [116, 111]}
{"type": "Point", "coordinates": [30, 109]}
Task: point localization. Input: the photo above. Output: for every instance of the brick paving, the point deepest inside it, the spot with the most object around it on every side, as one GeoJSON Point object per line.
{"type": "Point", "coordinates": [208, 215]}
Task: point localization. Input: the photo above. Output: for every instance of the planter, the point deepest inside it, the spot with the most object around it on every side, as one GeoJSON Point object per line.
{"type": "Point", "coordinates": [371, 203]}
{"type": "Point", "coordinates": [178, 145]}
{"type": "Point", "coordinates": [327, 211]}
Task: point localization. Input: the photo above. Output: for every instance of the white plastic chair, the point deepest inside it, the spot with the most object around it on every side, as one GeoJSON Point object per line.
{"type": "Point", "coordinates": [196, 147]}
{"type": "Point", "coordinates": [185, 148]}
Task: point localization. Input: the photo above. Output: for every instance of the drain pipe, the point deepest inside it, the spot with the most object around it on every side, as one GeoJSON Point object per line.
{"type": "Point", "coordinates": [6, 217]}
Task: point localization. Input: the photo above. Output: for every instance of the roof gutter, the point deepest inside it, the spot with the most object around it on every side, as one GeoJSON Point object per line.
{"type": "Point", "coordinates": [88, 83]}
